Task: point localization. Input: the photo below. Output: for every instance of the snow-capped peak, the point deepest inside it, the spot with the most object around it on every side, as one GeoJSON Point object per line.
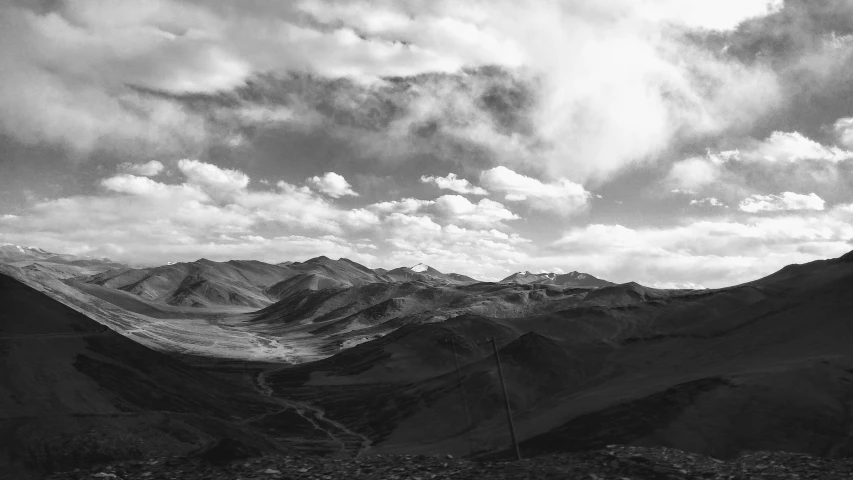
{"type": "Point", "coordinates": [420, 268]}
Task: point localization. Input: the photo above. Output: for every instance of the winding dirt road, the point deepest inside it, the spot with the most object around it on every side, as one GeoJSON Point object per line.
{"type": "Point", "coordinates": [338, 432]}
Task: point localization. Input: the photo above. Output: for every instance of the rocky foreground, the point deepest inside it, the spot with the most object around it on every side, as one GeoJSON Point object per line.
{"type": "Point", "coordinates": [614, 462]}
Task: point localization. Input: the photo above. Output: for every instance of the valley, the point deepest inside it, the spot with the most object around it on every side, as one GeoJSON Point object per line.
{"type": "Point", "coordinates": [330, 357]}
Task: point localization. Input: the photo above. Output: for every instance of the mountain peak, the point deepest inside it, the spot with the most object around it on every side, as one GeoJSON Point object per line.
{"type": "Point", "coordinates": [574, 278]}
{"type": "Point", "coordinates": [420, 268]}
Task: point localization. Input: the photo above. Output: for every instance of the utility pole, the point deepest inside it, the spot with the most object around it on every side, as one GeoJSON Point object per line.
{"type": "Point", "coordinates": [506, 401]}
{"type": "Point", "coordinates": [464, 398]}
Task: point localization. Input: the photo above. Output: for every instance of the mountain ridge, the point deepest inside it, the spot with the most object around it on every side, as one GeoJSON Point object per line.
{"type": "Point", "coordinates": [576, 279]}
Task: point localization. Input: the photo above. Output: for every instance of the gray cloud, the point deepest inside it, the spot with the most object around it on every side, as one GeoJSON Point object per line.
{"type": "Point", "coordinates": [480, 82]}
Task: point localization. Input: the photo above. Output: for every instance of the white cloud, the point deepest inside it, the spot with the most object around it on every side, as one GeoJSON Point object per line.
{"type": "Point", "coordinates": [562, 196]}
{"type": "Point", "coordinates": [406, 205]}
{"type": "Point", "coordinates": [483, 253]}
{"type": "Point", "coordinates": [148, 169]}
{"type": "Point", "coordinates": [449, 209]}
{"type": "Point", "coordinates": [633, 96]}
{"type": "Point", "coordinates": [484, 214]}
{"type": "Point", "coordinates": [785, 201]}
{"type": "Point", "coordinates": [709, 201]}
{"type": "Point", "coordinates": [72, 82]}
{"type": "Point", "coordinates": [211, 211]}
{"type": "Point", "coordinates": [792, 147]}
{"type": "Point", "coordinates": [360, 218]}
{"type": "Point", "coordinates": [452, 182]}
{"type": "Point", "coordinates": [722, 15]}
{"type": "Point", "coordinates": [216, 181]}
{"type": "Point", "coordinates": [141, 186]}
{"type": "Point", "coordinates": [693, 173]}
{"type": "Point", "coordinates": [843, 128]}
{"type": "Point", "coordinates": [783, 160]}
{"type": "Point", "coordinates": [710, 253]}
{"type": "Point", "coordinates": [332, 184]}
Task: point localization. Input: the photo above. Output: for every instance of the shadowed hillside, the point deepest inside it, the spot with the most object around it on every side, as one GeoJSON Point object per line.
{"type": "Point", "coordinates": [762, 366]}
{"type": "Point", "coordinates": [101, 396]}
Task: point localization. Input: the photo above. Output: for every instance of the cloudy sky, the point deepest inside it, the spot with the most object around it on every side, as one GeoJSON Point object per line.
{"type": "Point", "coordinates": [670, 142]}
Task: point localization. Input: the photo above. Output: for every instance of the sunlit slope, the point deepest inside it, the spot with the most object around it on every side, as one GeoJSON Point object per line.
{"type": "Point", "coordinates": [73, 391]}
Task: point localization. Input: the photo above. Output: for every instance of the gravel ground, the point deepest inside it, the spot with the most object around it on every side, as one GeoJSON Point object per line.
{"type": "Point", "coordinates": [614, 462]}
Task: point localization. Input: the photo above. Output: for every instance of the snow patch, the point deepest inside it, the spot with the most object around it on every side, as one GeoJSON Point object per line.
{"type": "Point", "coordinates": [419, 268]}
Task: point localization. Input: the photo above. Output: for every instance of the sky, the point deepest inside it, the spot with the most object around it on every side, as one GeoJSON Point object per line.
{"type": "Point", "coordinates": [676, 143]}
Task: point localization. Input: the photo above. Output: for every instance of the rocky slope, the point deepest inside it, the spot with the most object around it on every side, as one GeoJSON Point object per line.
{"type": "Point", "coordinates": [760, 366]}
{"type": "Point", "coordinates": [616, 462]}
{"type": "Point", "coordinates": [203, 283]}
{"type": "Point", "coordinates": [371, 368]}
{"type": "Point", "coordinates": [326, 321]}
{"type": "Point", "coordinates": [73, 392]}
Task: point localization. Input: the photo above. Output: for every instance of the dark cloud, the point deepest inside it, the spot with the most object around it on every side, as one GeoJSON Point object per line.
{"type": "Point", "coordinates": [807, 44]}
{"type": "Point", "coordinates": [395, 120]}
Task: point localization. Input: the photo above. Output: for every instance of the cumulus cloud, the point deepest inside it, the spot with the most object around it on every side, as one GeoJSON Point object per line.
{"type": "Point", "coordinates": [485, 213]}
{"type": "Point", "coordinates": [443, 82]}
{"type": "Point", "coordinates": [710, 253]}
{"type": "Point", "coordinates": [785, 201]}
{"type": "Point", "coordinates": [562, 196]}
{"type": "Point", "coordinates": [486, 254]}
{"type": "Point", "coordinates": [143, 187]}
{"type": "Point", "coordinates": [449, 209]}
{"type": "Point", "coordinates": [211, 209]}
{"type": "Point", "coordinates": [405, 206]}
{"type": "Point", "coordinates": [843, 129]}
{"type": "Point", "coordinates": [148, 169]}
{"type": "Point", "coordinates": [452, 182]}
{"type": "Point", "coordinates": [209, 175]}
{"type": "Point", "coordinates": [694, 173]}
{"type": "Point", "coordinates": [332, 184]}
{"type": "Point", "coordinates": [783, 160]}
{"type": "Point", "coordinates": [792, 147]}
{"type": "Point", "coordinates": [709, 201]}
{"type": "Point", "coordinates": [120, 68]}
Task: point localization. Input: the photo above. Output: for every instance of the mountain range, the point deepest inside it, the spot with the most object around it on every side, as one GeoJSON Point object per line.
{"type": "Point", "coordinates": [574, 279]}
{"type": "Point", "coordinates": [329, 356]}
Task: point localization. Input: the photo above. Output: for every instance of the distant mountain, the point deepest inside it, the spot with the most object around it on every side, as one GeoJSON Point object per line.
{"type": "Point", "coordinates": [727, 366]}
{"type": "Point", "coordinates": [338, 317]}
{"type": "Point", "coordinates": [572, 279]}
{"type": "Point", "coordinates": [343, 270]}
{"type": "Point", "coordinates": [320, 273]}
{"type": "Point", "coordinates": [17, 253]}
{"type": "Point", "coordinates": [56, 264]}
{"type": "Point", "coordinates": [303, 282]}
{"type": "Point", "coordinates": [203, 283]}
{"type": "Point", "coordinates": [424, 273]}
{"type": "Point", "coordinates": [235, 283]}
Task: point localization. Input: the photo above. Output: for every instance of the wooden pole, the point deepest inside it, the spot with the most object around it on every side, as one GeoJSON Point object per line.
{"type": "Point", "coordinates": [464, 398]}
{"type": "Point", "coordinates": [506, 401]}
